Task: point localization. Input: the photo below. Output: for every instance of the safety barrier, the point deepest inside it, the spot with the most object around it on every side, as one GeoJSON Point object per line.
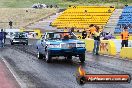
{"type": "Point", "coordinates": [106, 46]}
{"type": "Point", "coordinates": [89, 44]}
{"type": "Point", "coordinates": [126, 52]}
{"type": "Point", "coordinates": [118, 44]}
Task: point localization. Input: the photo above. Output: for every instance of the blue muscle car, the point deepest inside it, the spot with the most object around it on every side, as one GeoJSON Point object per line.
{"type": "Point", "coordinates": [60, 44]}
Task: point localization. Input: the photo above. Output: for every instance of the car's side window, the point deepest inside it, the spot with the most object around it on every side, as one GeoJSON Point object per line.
{"type": "Point", "coordinates": [57, 36]}
{"type": "Point", "coordinates": [50, 36]}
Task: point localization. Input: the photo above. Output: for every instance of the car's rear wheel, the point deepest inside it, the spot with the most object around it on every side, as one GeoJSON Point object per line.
{"type": "Point", "coordinates": [39, 55]}
{"type": "Point", "coordinates": [48, 57]}
{"type": "Point", "coordinates": [26, 43]}
{"type": "Point", "coordinates": [69, 57]}
{"type": "Point", "coordinates": [82, 57]}
{"type": "Point", "coordinates": [12, 43]}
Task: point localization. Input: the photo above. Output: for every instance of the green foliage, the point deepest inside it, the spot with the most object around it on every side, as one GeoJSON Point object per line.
{"type": "Point", "coordinates": [62, 3]}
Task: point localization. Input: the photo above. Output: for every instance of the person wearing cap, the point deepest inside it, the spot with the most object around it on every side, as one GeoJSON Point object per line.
{"type": "Point", "coordinates": [124, 37]}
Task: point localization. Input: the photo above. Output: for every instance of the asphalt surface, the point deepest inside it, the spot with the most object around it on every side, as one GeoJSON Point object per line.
{"type": "Point", "coordinates": [6, 78]}
{"type": "Point", "coordinates": [60, 73]}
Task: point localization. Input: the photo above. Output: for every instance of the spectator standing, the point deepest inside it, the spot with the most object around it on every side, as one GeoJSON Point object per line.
{"type": "Point", "coordinates": [4, 35]}
{"type": "Point", "coordinates": [84, 34]}
{"type": "Point", "coordinates": [91, 29]}
{"type": "Point", "coordinates": [1, 38]}
{"type": "Point", "coordinates": [124, 37]}
{"type": "Point", "coordinates": [56, 6]}
{"type": "Point", "coordinates": [51, 6]}
{"type": "Point", "coordinates": [96, 35]}
{"type": "Point", "coordinates": [10, 24]}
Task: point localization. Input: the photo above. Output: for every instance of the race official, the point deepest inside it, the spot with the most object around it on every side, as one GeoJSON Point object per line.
{"type": "Point", "coordinates": [96, 35]}
{"type": "Point", "coordinates": [124, 37]}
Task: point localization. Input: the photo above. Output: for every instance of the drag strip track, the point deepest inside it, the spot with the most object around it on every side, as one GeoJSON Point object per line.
{"type": "Point", "coordinates": [93, 64]}
{"type": "Point", "coordinates": [59, 74]}
{"type": "Point", "coordinates": [30, 49]}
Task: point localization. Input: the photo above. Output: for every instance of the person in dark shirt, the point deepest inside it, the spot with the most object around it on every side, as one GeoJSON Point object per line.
{"type": "Point", "coordinates": [51, 6]}
{"type": "Point", "coordinates": [4, 35]}
{"type": "Point", "coordinates": [10, 24]}
{"type": "Point", "coordinates": [1, 38]}
{"type": "Point", "coordinates": [84, 34]}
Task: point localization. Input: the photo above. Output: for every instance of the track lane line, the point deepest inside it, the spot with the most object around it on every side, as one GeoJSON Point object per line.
{"type": "Point", "coordinates": [19, 81]}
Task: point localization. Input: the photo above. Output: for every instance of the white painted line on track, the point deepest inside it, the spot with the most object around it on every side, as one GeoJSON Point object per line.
{"type": "Point", "coordinates": [19, 81]}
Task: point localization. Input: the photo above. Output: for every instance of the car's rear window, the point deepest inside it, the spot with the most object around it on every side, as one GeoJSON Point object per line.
{"type": "Point", "coordinates": [20, 35]}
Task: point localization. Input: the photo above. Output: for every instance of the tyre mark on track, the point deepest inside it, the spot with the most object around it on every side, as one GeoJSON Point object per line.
{"type": "Point", "coordinates": [26, 49]}
{"type": "Point", "coordinates": [105, 68]}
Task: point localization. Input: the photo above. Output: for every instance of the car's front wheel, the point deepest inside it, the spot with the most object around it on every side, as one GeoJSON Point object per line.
{"type": "Point", "coordinates": [48, 57]}
{"type": "Point", "coordinates": [39, 55]}
{"type": "Point", "coordinates": [12, 43]}
{"type": "Point", "coordinates": [82, 57]}
{"type": "Point", "coordinates": [25, 43]}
